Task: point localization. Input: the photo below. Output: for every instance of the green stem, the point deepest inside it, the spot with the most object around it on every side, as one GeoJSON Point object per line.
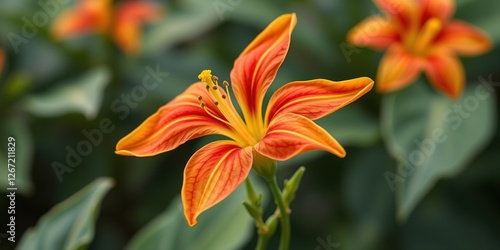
{"type": "Point", "coordinates": [262, 242]}
{"type": "Point", "coordinates": [284, 217]}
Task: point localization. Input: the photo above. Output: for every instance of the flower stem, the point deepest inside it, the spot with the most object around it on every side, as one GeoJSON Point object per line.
{"type": "Point", "coordinates": [284, 217]}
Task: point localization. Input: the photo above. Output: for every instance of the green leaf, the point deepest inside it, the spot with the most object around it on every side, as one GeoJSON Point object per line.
{"type": "Point", "coordinates": [352, 125]}
{"type": "Point", "coordinates": [187, 23]}
{"type": "Point", "coordinates": [16, 128]}
{"type": "Point", "coordinates": [433, 137]}
{"type": "Point", "coordinates": [84, 94]}
{"type": "Point", "coordinates": [224, 226]}
{"type": "Point", "coordinates": [70, 224]}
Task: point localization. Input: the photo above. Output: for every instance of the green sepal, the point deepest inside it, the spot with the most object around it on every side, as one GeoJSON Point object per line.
{"type": "Point", "coordinates": [292, 185]}
{"type": "Point", "coordinates": [255, 212]}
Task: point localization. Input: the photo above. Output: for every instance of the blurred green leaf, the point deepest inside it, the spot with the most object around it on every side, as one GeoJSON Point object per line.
{"type": "Point", "coordinates": [70, 224]}
{"type": "Point", "coordinates": [179, 26]}
{"type": "Point", "coordinates": [433, 137]}
{"type": "Point", "coordinates": [368, 199]}
{"type": "Point", "coordinates": [352, 125]}
{"type": "Point", "coordinates": [16, 128]}
{"type": "Point", "coordinates": [83, 94]}
{"type": "Point", "coordinates": [224, 226]}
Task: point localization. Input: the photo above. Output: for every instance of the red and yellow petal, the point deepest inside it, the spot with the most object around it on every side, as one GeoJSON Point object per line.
{"type": "Point", "coordinates": [446, 73]}
{"type": "Point", "coordinates": [375, 32]}
{"type": "Point", "coordinates": [2, 60]}
{"type": "Point", "coordinates": [178, 121]}
{"type": "Point", "coordinates": [442, 9]}
{"type": "Point", "coordinates": [212, 174]}
{"type": "Point", "coordinates": [290, 134]}
{"type": "Point", "coordinates": [316, 98]}
{"type": "Point", "coordinates": [401, 11]}
{"type": "Point", "coordinates": [256, 67]}
{"type": "Point", "coordinates": [397, 69]}
{"type": "Point", "coordinates": [129, 18]}
{"type": "Point", "coordinates": [88, 15]}
{"type": "Point", "coordinates": [464, 39]}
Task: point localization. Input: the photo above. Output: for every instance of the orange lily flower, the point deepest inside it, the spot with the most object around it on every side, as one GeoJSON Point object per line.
{"type": "Point", "coordinates": [2, 60]}
{"type": "Point", "coordinates": [205, 108]}
{"type": "Point", "coordinates": [419, 35]}
{"type": "Point", "coordinates": [97, 15]}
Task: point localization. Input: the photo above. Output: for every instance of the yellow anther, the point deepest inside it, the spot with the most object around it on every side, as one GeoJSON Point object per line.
{"type": "Point", "coordinates": [205, 76]}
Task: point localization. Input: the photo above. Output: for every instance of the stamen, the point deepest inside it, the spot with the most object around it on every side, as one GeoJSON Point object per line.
{"type": "Point", "coordinates": [215, 79]}
{"type": "Point", "coordinates": [226, 84]}
{"type": "Point", "coordinates": [427, 34]}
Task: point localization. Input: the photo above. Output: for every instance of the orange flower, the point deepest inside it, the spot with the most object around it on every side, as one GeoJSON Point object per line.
{"type": "Point", "coordinates": [2, 60]}
{"type": "Point", "coordinates": [419, 35]}
{"type": "Point", "coordinates": [205, 108]}
{"type": "Point", "coordinates": [97, 15]}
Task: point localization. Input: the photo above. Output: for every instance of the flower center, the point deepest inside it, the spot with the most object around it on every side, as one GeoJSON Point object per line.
{"type": "Point", "coordinates": [419, 42]}
{"type": "Point", "coordinates": [223, 102]}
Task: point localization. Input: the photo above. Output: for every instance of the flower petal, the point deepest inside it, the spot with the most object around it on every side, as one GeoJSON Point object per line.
{"type": "Point", "coordinates": [397, 69]}
{"type": "Point", "coordinates": [446, 73]}
{"type": "Point", "coordinates": [212, 173]}
{"type": "Point", "coordinates": [2, 60]}
{"type": "Point", "coordinates": [256, 67]}
{"type": "Point", "coordinates": [87, 16]}
{"type": "Point", "coordinates": [442, 9]}
{"type": "Point", "coordinates": [178, 121]}
{"type": "Point", "coordinates": [316, 98]}
{"type": "Point", "coordinates": [375, 32]}
{"type": "Point", "coordinates": [464, 39]}
{"type": "Point", "coordinates": [401, 10]}
{"type": "Point", "coordinates": [130, 16]}
{"type": "Point", "coordinates": [291, 134]}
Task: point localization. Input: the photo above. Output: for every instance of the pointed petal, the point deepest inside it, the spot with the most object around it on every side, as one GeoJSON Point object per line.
{"type": "Point", "coordinates": [464, 39]}
{"type": "Point", "coordinates": [397, 69]}
{"type": "Point", "coordinates": [178, 121]}
{"type": "Point", "coordinates": [442, 9]}
{"type": "Point", "coordinates": [316, 98]}
{"type": "Point", "coordinates": [212, 174]}
{"type": "Point", "coordinates": [130, 16]}
{"type": "Point", "coordinates": [446, 73]}
{"type": "Point", "coordinates": [375, 32]}
{"type": "Point", "coordinates": [291, 134]}
{"type": "Point", "coordinates": [2, 60]}
{"type": "Point", "coordinates": [255, 68]}
{"type": "Point", "coordinates": [402, 11]}
{"type": "Point", "coordinates": [87, 16]}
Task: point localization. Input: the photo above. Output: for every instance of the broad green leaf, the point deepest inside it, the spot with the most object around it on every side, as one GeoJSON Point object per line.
{"type": "Point", "coordinates": [433, 137]}
{"type": "Point", "coordinates": [224, 226]}
{"type": "Point", "coordinates": [352, 126]}
{"type": "Point", "coordinates": [70, 224]}
{"type": "Point", "coordinates": [189, 22]}
{"type": "Point", "coordinates": [84, 94]}
{"type": "Point", "coordinates": [16, 128]}
{"type": "Point", "coordinates": [368, 200]}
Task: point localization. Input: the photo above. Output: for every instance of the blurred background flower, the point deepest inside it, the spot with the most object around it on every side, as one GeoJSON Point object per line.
{"type": "Point", "coordinates": [420, 36]}
{"type": "Point", "coordinates": [421, 170]}
{"type": "Point", "coordinates": [123, 21]}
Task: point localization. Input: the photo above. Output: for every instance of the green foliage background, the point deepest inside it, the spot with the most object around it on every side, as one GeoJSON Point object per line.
{"type": "Point", "coordinates": [51, 92]}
